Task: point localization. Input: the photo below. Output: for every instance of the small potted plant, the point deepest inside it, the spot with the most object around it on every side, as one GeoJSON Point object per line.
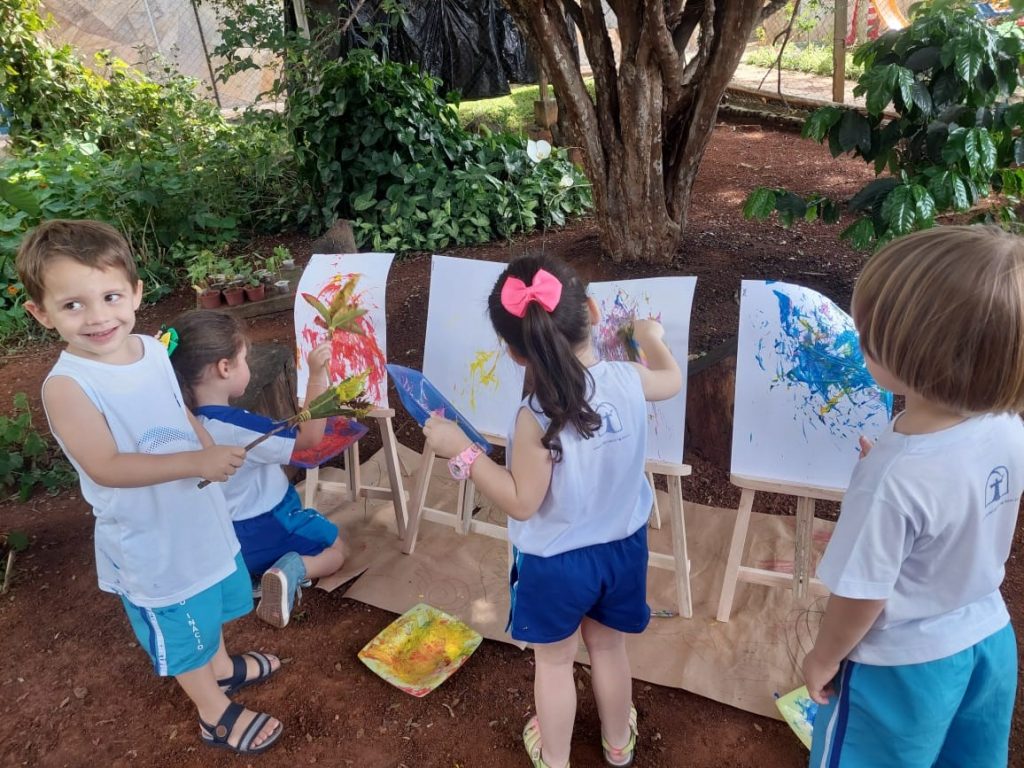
{"type": "Point", "coordinates": [234, 291]}
{"type": "Point", "coordinates": [254, 288]}
{"type": "Point", "coordinates": [284, 258]}
{"type": "Point", "coordinates": [208, 297]}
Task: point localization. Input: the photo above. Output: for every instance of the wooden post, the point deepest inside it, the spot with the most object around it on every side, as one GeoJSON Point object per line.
{"type": "Point", "coordinates": [839, 53]}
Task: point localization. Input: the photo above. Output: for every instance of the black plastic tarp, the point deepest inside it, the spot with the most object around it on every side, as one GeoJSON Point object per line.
{"type": "Point", "coordinates": [473, 46]}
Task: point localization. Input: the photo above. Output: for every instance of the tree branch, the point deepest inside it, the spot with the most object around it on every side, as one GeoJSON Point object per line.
{"type": "Point", "coordinates": [669, 63]}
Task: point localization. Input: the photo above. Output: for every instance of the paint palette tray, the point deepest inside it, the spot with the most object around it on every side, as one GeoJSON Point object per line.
{"type": "Point", "coordinates": [798, 710]}
{"type": "Point", "coordinates": [420, 649]}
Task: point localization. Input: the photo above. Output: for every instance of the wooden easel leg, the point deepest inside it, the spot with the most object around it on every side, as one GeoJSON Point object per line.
{"type": "Point", "coordinates": [419, 498]}
{"type": "Point", "coordinates": [309, 492]}
{"type": "Point", "coordinates": [802, 556]}
{"type": "Point", "coordinates": [352, 470]}
{"type": "Point", "coordinates": [732, 566]}
{"type": "Point", "coordinates": [682, 569]}
{"type": "Point", "coordinates": [655, 519]}
{"type": "Point", "coordinates": [390, 446]}
{"type": "Point", "coordinates": [465, 504]}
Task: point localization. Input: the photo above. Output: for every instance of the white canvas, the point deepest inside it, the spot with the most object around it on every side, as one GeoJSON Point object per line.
{"type": "Point", "coordinates": [463, 356]}
{"type": "Point", "coordinates": [351, 353]}
{"type": "Point", "coordinates": [803, 394]}
{"type": "Point", "coordinates": [668, 300]}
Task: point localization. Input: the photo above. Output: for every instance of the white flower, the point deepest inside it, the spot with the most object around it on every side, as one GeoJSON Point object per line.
{"type": "Point", "coordinates": [538, 150]}
{"type": "Point", "coordinates": [565, 182]}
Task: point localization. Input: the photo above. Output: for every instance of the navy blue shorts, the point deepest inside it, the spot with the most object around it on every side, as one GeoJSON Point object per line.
{"type": "Point", "coordinates": [286, 528]}
{"type": "Point", "coordinates": [607, 582]}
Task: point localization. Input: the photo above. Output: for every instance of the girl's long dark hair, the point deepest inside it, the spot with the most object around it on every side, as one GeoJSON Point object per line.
{"type": "Point", "coordinates": [205, 337]}
{"type": "Point", "coordinates": [560, 383]}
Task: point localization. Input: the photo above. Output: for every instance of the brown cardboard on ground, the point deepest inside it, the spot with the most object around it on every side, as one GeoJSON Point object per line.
{"type": "Point", "coordinates": [741, 663]}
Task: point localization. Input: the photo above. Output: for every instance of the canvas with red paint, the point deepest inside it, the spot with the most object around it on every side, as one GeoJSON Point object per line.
{"type": "Point", "coordinates": [364, 348]}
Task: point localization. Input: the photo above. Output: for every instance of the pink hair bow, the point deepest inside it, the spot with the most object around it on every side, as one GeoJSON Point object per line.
{"type": "Point", "coordinates": [517, 295]}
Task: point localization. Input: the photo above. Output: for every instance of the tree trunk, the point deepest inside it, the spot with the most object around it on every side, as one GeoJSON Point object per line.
{"type": "Point", "coordinates": [644, 136]}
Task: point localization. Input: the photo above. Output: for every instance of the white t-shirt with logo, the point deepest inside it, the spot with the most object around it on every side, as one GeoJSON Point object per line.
{"type": "Point", "coordinates": [159, 544]}
{"type": "Point", "coordinates": [927, 525]}
{"type": "Point", "coordinates": [599, 492]}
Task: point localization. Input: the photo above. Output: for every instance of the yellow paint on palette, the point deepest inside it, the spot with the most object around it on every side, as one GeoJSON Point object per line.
{"type": "Point", "coordinates": [420, 649]}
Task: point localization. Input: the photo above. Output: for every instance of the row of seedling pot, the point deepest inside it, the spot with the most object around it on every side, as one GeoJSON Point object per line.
{"type": "Point", "coordinates": [218, 279]}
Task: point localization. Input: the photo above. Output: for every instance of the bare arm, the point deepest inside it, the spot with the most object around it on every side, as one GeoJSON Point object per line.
{"type": "Point", "coordinates": [845, 623]}
{"type": "Point", "coordinates": [661, 378]}
{"type": "Point", "coordinates": [310, 433]}
{"type": "Point", "coordinates": [87, 438]}
{"type": "Point", "coordinates": [205, 439]}
{"type": "Point", "coordinates": [517, 491]}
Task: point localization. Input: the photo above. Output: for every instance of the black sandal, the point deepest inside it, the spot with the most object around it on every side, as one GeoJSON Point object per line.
{"type": "Point", "coordinates": [217, 735]}
{"type": "Point", "coordinates": [239, 671]}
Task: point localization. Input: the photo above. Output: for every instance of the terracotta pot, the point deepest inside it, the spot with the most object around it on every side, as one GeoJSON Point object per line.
{"type": "Point", "coordinates": [255, 292]}
{"type": "Point", "coordinates": [234, 296]}
{"type": "Point", "coordinates": [209, 299]}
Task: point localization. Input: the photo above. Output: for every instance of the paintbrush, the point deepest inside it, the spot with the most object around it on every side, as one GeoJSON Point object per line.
{"type": "Point", "coordinates": [342, 399]}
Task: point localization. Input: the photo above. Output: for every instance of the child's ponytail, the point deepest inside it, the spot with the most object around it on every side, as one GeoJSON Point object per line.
{"type": "Point", "coordinates": [554, 323]}
{"type": "Point", "coordinates": [205, 337]}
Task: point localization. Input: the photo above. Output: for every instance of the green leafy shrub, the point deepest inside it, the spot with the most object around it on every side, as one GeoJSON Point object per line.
{"type": "Point", "coordinates": [27, 458]}
{"type": "Point", "coordinates": [139, 150]}
{"type": "Point", "coordinates": [956, 138]}
{"type": "Point", "coordinates": [375, 143]}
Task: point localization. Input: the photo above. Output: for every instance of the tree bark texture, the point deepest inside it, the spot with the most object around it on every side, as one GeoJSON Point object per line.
{"type": "Point", "coordinates": [644, 135]}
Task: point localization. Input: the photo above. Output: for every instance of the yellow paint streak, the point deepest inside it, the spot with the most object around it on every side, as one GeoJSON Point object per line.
{"type": "Point", "coordinates": [483, 372]}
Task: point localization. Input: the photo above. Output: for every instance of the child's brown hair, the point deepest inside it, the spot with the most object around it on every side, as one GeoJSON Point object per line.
{"type": "Point", "coordinates": [205, 337]}
{"type": "Point", "coordinates": [87, 242]}
{"type": "Point", "coordinates": [942, 310]}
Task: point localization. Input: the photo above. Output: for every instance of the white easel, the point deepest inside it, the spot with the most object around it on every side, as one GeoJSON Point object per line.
{"type": "Point", "coordinates": [462, 519]}
{"type": "Point", "coordinates": [354, 485]}
{"type": "Point", "coordinates": [801, 581]}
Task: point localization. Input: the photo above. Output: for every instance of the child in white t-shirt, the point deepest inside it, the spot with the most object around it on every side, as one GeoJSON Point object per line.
{"type": "Point", "coordinates": [163, 545]}
{"type": "Point", "coordinates": [283, 544]}
{"type": "Point", "coordinates": [915, 661]}
{"type": "Point", "coordinates": [576, 496]}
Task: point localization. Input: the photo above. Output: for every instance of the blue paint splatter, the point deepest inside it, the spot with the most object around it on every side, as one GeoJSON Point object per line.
{"type": "Point", "coordinates": [819, 356]}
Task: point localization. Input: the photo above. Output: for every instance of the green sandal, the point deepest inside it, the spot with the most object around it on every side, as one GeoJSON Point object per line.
{"type": "Point", "coordinates": [531, 739]}
{"type": "Point", "coordinates": [217, 735]}
{"type": "Point", "coordinates": [619, 757]}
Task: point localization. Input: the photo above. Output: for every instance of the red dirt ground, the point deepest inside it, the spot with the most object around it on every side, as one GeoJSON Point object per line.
{"type": "Point", "coordinates": [75, 689]}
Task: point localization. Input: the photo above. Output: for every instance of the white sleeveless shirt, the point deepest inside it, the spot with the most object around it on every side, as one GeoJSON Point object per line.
{"type": "Point", "coordinates": [599, 492]}
{"type": "Point", "coordinates": [164, 543]}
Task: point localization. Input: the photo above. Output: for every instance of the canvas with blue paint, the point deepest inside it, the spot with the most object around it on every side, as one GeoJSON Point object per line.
{"type": "Point", "coordinates": [804, 396]}
{"type": "Point", "coordinates": [423, 400]}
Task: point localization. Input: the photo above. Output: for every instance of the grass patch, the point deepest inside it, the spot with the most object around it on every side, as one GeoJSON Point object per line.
{"type": "Point", "coordinates": [512, 113]}
{"type": "Point", "coordinates": [813, 58]}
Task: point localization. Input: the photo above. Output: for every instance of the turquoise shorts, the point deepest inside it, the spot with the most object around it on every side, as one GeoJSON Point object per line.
{"type": "Point", "coordinates": [951, 712]}
{"type": "Point", "coordinates": [185, 636]}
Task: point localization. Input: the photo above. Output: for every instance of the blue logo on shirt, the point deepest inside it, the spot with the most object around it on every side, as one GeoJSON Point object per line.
{"type": "Point", "coordinates": [610, 421]}
{"type": "Point", "coordinates": [998, 485]}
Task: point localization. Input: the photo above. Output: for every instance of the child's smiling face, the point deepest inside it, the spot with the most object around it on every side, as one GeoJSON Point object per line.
{"type": "Point", "coordinates": [92, 309]}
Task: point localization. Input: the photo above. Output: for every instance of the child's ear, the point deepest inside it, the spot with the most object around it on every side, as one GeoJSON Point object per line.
{"type": "Point", "coordinates": [223, 367]}
{"type": "Point", "coordinates": [39, 314]}
{"type": "Point", "coordinates": [137, 298]}
{"type": "Point", "coordinates": [592, 309]}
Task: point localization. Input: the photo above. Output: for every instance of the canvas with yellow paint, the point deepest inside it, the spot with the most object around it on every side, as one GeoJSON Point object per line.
{"type": "Point", "coordinates": [462, 356]}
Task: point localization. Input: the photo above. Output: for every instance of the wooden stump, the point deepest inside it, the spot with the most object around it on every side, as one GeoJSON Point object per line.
{"type": "Point", "coordinates": [271, 389]}
{"type": "Point", "coordinates": [710, 396]}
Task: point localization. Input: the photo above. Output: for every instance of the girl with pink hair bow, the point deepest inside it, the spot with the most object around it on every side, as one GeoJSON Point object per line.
{"type": "Point", "coordinates": [576, 496]}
